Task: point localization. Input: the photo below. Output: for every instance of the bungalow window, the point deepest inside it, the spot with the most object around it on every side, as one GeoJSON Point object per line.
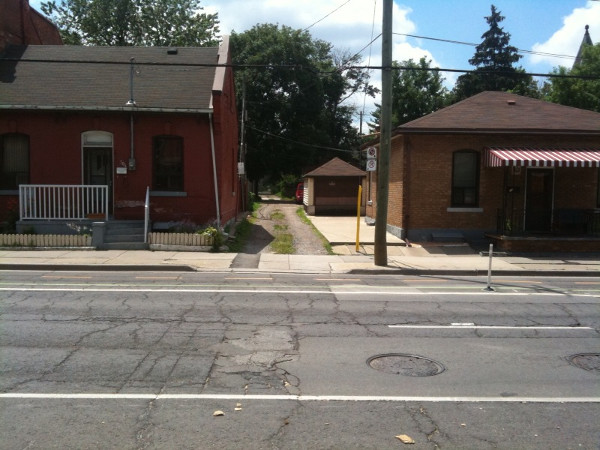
{"type": "Point", "coordinates": [14, 161]}
{"type": "Point", "coordinates": [167, 163]}
{"type": "Point", "coordinates": [465, 179]}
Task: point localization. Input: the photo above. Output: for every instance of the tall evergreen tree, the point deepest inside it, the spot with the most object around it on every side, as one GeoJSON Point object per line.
{"type": "Point", "coordinates": [494, 61]}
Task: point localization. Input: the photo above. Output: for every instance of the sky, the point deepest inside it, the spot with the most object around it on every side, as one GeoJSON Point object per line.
{"type": "Point", "coordinates": [542, 26]}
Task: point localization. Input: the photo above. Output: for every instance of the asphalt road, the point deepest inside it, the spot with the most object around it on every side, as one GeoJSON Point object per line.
{"type": "Point", "coordinates": [143, 360]}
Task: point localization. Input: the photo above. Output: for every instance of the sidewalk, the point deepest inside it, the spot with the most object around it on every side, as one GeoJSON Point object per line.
{"type": "Point", "coordinates": [425, 258]}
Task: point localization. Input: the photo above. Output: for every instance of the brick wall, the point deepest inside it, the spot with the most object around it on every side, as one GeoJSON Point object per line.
{"type": "Point", "coordinates": [22, 25]}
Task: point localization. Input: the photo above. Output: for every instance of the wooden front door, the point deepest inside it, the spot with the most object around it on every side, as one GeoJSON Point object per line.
{"type": "Point", "coordinates": [97, 168]}
{"type": "Point", "coordinates": [539, 200]}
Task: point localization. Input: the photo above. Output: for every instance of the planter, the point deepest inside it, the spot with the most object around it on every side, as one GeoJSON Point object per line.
{"type": "Point", "coordinates": [180, 242]}
{"type": "Point", "coordinates": [45, 240]}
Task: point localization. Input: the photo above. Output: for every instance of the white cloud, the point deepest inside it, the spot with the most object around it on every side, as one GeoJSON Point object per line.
{"type": "Point", "coordinates": [567, 39]}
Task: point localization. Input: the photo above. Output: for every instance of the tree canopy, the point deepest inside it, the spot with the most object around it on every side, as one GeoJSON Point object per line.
{"type": "Point", "coordinates": [578, 92]}
{"type": "Point", "coordinates": [294, 97]}
{"type": "Point", "coordinates": [494, 61]}
{"type": "Point", "coordinates": [133, 22]}
{"type": "Point", "coordinates": [417, 90]}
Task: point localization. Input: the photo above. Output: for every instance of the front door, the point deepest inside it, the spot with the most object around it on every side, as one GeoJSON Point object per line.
{"type": "Point", "coordinates": [539, 200]}
{"type": "Point", "coordinates": [97, 168]}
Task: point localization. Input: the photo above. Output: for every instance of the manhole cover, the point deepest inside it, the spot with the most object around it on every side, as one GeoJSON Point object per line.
{"type": "Point", "coordinates": [586, 361]}
{"type": "Point", "coordinates": [407, 365]}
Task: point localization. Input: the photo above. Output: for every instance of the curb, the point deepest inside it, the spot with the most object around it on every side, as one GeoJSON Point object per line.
{"type": "Point", "coordinates": [473, 272]}
{"type": "Point", "coordinates": [378, 271]}
{"type": "Point", "coordinates": [99, 267]}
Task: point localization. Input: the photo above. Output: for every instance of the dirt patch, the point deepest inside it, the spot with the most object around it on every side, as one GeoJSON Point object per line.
{"type": "Point", "coordinates": [272, 212]}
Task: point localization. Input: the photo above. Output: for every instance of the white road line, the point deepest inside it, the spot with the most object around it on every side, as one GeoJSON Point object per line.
{"type": "Point", "coordinates": [301, 398]}
{"type": "Point", "coordinates": [491, 327]}
{"type": "Point", "coordinates": [291, 291]}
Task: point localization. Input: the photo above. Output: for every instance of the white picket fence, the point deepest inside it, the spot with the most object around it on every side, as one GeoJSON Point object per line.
{"type": "Point", "coordinates": [157, 241]}
{"type": "Point", "coordinates": [45, 240]}
{"type": "Point", "coordinates": [186, 239]}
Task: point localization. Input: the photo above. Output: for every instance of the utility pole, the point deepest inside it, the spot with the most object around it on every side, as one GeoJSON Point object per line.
{"type": "Point", "coordinates": [383, 169]}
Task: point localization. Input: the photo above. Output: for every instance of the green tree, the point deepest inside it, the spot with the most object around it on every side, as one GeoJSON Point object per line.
{"type": "Point", "coordinates": [133, 22]}
{"type": "Point", "coordinates": [494, 61]}
{"type": "Point", "coordinates": [417, 90]}
{"type": "Point", "coordinates": [295, 92]}
{"type": "Point", "coordinates": [578, 92]}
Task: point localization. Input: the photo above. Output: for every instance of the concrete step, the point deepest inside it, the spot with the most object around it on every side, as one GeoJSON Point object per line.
{"type": "Point", "coordinates": [124, 235]}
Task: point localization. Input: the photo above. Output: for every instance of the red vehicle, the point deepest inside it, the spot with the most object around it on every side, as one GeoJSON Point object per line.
{"type": "Point", "coordinates": [300, 193]}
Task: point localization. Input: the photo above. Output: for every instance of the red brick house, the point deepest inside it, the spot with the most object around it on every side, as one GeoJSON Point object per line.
{"type": "Point", "coordinates": [21, 24]}
{"type": "Point", "coordinates": [125, 119]}
{"type": "Point", "coordinates": [521, 171]}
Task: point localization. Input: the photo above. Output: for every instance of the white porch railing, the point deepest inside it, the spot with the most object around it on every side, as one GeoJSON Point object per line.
{"type": "Point", "coordinates": [63, 202]}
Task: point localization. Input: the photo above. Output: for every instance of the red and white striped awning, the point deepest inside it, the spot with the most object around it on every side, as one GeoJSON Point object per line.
{"type": "Point", "coordinates": [542, 157]}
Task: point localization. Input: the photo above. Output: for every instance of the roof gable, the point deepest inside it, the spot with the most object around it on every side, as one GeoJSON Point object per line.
{"type": "Point", "coordinates": [501, 111]}
{"type": "Point", "coordinates": [77, 77]}
{"type": "Point", "coordinates": [336, 168]}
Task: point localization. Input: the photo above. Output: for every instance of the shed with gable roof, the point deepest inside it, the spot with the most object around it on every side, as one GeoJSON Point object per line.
{"type": "Point", "coordinates": [333, 189]}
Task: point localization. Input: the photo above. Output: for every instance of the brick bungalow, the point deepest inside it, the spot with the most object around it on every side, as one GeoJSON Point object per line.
{"type": "Point", "coordinates": [124, 119]}
{"type": "Point", "coordinates": [517, 170]}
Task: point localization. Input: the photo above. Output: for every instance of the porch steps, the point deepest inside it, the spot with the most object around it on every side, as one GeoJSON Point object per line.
{"type": "Point", "coordinates": [124, 235]}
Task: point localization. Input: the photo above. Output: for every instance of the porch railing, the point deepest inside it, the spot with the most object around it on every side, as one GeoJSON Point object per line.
{"type": "Point", "coordinates": [63, 202]}
{"type": "Point", "coordinates": [565, 221]}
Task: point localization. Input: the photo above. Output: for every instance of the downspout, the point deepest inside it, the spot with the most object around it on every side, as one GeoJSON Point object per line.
{"type": "Point", "coordinates": [132, 104]}
{"type": "Point", "coordinates": [214, 163]}
{"type": "Point", "coordinates": [406, 189]}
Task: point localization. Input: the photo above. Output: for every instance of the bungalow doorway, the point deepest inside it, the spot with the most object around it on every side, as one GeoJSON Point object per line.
{"type": "Point", "coordinates": [539, 200]}
{"type": "Point", "coordinates": [97, 161]}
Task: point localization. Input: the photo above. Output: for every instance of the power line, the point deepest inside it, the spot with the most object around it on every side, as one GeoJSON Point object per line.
{"type": "Point", "coordinates": [450, 41]}
{"type": "Point", "coordinates": [303, 67]}
{"type": "Point", "coordinates": [298, 142]}
{"type": "Point", "coordinates": [326, 16]}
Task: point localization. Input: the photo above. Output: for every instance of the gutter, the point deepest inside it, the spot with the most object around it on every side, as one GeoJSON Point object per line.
{"type": "Point", "coordinates": [107, 109]}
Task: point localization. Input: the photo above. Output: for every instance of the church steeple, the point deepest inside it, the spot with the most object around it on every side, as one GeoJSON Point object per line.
{"type": "Point", "coordinates": [587, 40]}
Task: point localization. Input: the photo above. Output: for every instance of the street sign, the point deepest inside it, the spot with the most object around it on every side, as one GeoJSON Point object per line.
{"type": "Point", "coordinates": [371, 165]}
{"type": "Point", "coordinates": [371, 152]}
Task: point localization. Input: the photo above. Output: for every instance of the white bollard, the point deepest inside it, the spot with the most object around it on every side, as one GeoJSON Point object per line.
{"type": "Point", "coordinates": [489, 276]}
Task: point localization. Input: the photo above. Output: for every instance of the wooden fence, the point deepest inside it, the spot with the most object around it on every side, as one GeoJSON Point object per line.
{"type": "Point", "coordinates": [45, 240]}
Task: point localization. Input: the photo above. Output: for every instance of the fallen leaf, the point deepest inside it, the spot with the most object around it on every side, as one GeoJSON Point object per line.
{"type": "Point", "coordinates": [218, 413]}
{"type": "Point", "coordinates": [406, 439]}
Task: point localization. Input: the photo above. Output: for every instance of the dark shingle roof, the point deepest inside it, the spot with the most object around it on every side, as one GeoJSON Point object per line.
{"type": "Point", "coordinates": [77, 77]}
{"type": "Point", "coordinates": [500, 111]}
{"type": "Point", "coordinates": [336, 168]}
